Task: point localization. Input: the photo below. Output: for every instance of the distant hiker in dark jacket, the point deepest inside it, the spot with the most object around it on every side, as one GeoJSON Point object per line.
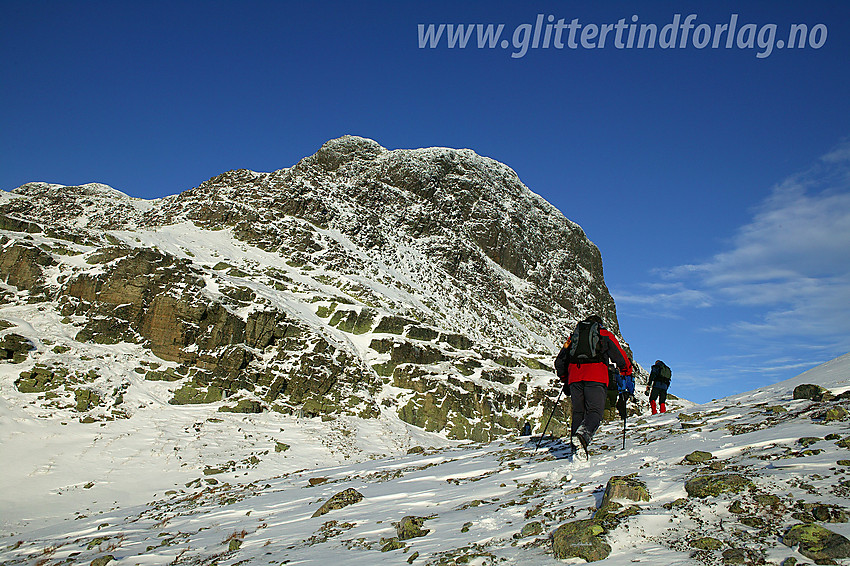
{"type": "Point", "coordinates": [659, 381]}
{"type": "Point", "coordinates": [582, 364]}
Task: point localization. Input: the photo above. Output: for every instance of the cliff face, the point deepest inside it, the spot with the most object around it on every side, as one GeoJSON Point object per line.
{"type": "Point", "coordinates": [429, 285]}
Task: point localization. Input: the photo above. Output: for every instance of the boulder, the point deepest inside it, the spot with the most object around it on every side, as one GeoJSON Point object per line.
{"type": "Point", "coordinates": [86, 399]}
{"type": "Point", "coordinates": [715, 484]}
{"type": "Point", "coordinates": [580, 539]}
{"type": "Point", "coordinates": [243, 406]}
{"type": "Point", "coordinates": [15, 348]}
{"type": "Point", "coordinates": [41, 379]}
{"type": "Point", "coordinates": [811, 391]}
{"type": "Point", "coordinates": [706, 543]}
{"type": "Point", "coordinates": [411, 527]}
{"type": "Point", "coordinates": [698, 457]}
{"type": "Point", "coordinates": [816, 542]}
{"type": "Point", "coordinates": [835, 414]}
{"type": "Point", "coordinates": [625, 487]}
{"type": "Point", "coordinates": [342, 499]}
{"type": "Point", "coordinates": [735, 556]}
{"type": "Point", "coordinates": [531, 529]}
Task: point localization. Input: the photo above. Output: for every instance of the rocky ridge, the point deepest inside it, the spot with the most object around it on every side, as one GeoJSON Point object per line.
{"type": "Point", "coordinates": [429, 285]}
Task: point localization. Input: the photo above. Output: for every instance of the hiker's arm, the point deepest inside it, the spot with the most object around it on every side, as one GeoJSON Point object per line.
{"type": "Point", "coordinates": [653, 373]}
{"type": "Point", "coordinates": [562, 363]}
{"type": "Point", "coordinates": [616, 354]}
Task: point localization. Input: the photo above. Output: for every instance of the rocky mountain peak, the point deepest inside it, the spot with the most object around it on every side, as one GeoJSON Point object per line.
{"type": "Point", "coordinates": [337, 152]}
{"type": "Point", "coordinates": [428, 284]}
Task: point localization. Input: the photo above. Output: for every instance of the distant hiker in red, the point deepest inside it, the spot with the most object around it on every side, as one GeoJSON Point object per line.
{"type": "Point", "coordinates": [659, 381]}
{"type": "Point", "coordinates": [582, 364]}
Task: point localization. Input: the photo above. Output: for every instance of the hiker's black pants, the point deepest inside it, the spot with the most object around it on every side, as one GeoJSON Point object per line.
{"type": "Point", "coordinates": [660, 394]}
{"type": "Point", "coordinates": [588, 400]}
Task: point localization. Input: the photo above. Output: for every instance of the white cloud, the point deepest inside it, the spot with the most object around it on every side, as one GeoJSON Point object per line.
{"type": "Point", "coordinates": [839, 154]}
{"type": "Point", "coordinates": [784, 280]}
{"type": "Point", "coordinates": [795, 235]}
{"type": "Point", "coordinates": [667, 295]}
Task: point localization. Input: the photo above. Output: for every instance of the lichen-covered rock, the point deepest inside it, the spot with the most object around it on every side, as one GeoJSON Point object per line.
{"type": "Point", "coordinates": [353, 322]}
{"type": "Point", "coordinates": [458, 341]}
{"type": "Point", "coordinates": [195, 393]}
{"type": "Point", "coordinates": [625, 487]}
{"type": "Point", "coordinates": [18, 225]}
{"type": "Point", "coordinates": [391, 544]}
{"type": "Point", "coordinates": [392, 324]}
{"type": "Point", "coordinates": [168, 374]}
{"type": "Point", "coordinates": [531, 529]}
{"type": "Point", "coordinates": [342, 499]}
{"type": "Point", "coordinates": [706, 543]}
{"type": "Point", "coordinates": [411, 527]}
{"type": "Point", "coordinates": [816, 542]}
{"type": "Point", "coordinates": [41, 379]}
{"type": "Point", "coordinates": [86, 399]}
{"type": "Point", "coordinates": [580, 539]}
{"type": "Point", "coordinates": [822, 513]}
{"type": "Point", "coordinates": [611, 513]}
{"type": "Point", "coordinates": [15, 348]}
{"type": "Point", "coordinates": [836, 414]}
{"type": "Point", "coordinates": [455, 404]}
{"type": "Point", "coordinates": [421, 333]}
{"type": "Point", "coordinates": [243, 406]}
{"type": "Point", "coordinates": [698, 457]}
{"type": "Point", "coordinates": [735, 556]}
{"type": "Point", "coordinates": [811, 391]}
{"type": "Point", "coordinates": [715, 484]}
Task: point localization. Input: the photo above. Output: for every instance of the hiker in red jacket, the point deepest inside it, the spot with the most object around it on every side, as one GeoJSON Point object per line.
{"type": "Point", "coordinates": [582, 365]}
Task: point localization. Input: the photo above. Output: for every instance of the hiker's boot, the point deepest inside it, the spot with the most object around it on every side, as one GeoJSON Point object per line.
{"type": "Point", "coordinates": [653, 407]}
{"type": "Point", "coordinates": [584, 437]}
{"type": "Point", "coordinates": [663, 408]}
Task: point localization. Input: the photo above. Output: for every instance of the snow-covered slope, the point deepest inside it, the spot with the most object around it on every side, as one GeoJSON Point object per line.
{"type": "Point", "coordinates": [474, 503]}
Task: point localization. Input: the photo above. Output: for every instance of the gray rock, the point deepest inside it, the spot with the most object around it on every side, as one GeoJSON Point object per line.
{"type": "Point", "coordinates": [342, 499]}
{"type": "Point", "coordinates": [816, 542]}
{"type": "Point", "coordinates": [625, 487]}
{"type": "Point", "coordinates": [715, 484]}
{"type": "Point", "coordinates": [706, 543]}
{"type": "Point", "coordinates": [698, 457]}
{"type": "Point", "coordinates": [580, 539]}
{"type": "Point", "coordinates": [411, 527]}
{"type": "Point", "coordinates": [15, 348]}
{"type": "Point", "coordinates": [811, 391]}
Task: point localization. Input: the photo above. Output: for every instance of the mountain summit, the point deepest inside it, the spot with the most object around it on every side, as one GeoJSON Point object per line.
{"type": "Point", "coordinates": [428, 285]}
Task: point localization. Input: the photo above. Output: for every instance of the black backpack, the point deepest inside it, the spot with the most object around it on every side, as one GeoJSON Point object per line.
{"type": "Point", "coordinates": [585, 344]}
{"type": "Point", "coordinates": [664, 373]}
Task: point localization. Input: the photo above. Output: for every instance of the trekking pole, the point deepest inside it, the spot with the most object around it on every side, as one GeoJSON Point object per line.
{"type": "Point", "coordinates": [624, 433]}
{"type": "Point", "coordinates": [539, 440]}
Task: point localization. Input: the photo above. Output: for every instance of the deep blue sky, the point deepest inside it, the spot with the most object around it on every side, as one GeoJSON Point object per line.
{"type": "Point", "coordinates": [715, 182]}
